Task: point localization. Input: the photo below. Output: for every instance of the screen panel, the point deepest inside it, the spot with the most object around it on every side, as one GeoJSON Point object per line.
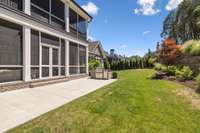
{"type": "Point", "coordinates": [45, 55]}
{"type": "Point", "coordinates": [11, 47]}
{"type": "Point", "coordinates": [10, 74]}
{"type": "Point", "coordinates": [62, 52]}
{"type": "Point", "coordinates": [82, 55]}
{"type": "Point", "coordinates": [35, 73]}
{"type": "Point", "coordinates": [55, 56]}
{"type": "Point", "coordinates": [73, 53]}
{"type": "Point", "coordinates": [48, 39]}
{"type": "Point", "coordinates": [34, 47]}
{"type": "Point", "coordinates": [45, 72]}
{"type": "Point", "coordinates": [58, 9]}
{"type": "Point", "coordinates": [73, 70]}
{"type": "Point", "coordinates": [55, 71]}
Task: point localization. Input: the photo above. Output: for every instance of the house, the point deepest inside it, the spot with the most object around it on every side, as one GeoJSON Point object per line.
{"type": "Point", "coordinates": [96, 52]}
{"type": "Point", "coordinates": [42, 40]}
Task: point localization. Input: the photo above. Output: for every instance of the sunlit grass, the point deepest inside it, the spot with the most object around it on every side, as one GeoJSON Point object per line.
{"type": "Point", "coordinates": [133, 104]}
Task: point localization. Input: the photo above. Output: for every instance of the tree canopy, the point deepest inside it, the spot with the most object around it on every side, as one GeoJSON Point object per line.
{"type": "Point", "coordinates": [183, 23]}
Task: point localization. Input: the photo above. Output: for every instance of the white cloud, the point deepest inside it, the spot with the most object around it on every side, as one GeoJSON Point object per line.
{"type": "Point", "coordinates": [146, 32]}
{"type": "Point", "coordinates": [172, 4]}
{"type": "Point", "coordinates": [123, 46]}
{"type": "Point", "coordinates": [146, 7]}
{"type": "Point", "coordinates": [91, 8]}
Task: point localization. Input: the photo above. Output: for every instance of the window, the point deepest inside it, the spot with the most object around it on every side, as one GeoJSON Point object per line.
{"type": "Point", "coordinates": [39, 14]}
{"type": "Point", "coordinates": [11, 51]}
{"type": "Point", "coordinates": [78, 25]}
{"type": "Point", "coordinates": [43, 4]}
{"type": "Point", "coordinates": [73, 18]}
{"type": "Point", "coordinates": [54, 15]}
{"type": "Point", "coordinates": [82, 27]}
{"type": "Point", "coordinates": [15, 4]}
{"type": "Point", "coordinates": [58, 9]}
{"type": "Point", "coordinates": [58, 23]}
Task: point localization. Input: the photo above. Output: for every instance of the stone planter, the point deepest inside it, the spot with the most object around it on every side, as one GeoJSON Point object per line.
{"type": "Point", "coordinates": [101, 73]}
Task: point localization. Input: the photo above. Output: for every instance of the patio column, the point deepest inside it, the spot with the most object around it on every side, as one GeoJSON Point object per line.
{"type": "Point", "coordinates": [26, 53]}
{"type": "Point", "coordinates": [87, 60]}
{"type": "Point", "coordinates": [66, 17]}
{"type": "Point", "coordinates": [27, 6]}
{"type": "Point", "coordinates": [66, 58]}
{"type": "Point", "coordinates": [78, 54]}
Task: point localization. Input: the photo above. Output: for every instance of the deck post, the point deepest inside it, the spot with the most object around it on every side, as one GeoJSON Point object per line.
{"type": "Point", "coordinates": [27, 6]}
{"type": "Point", "coordinates": [26, 53]}
{"type": "Point", "coordinates": [67, 58]}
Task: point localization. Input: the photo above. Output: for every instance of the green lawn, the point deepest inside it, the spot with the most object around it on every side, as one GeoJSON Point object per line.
{"type": "Point", "coordinates": [133, 104]}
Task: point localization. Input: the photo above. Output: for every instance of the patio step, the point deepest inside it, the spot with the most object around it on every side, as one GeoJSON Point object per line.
{"type": "Point", "coordinates": [48, 82]}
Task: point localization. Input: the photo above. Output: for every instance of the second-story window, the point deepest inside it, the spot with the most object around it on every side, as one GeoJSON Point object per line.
{"type": "Point", "coordinates": [50, 11]}
{"type": "Point", "coordinates": [73, 21]}
{"type": "Point", "coordinates": [82, 27]}
{"type": "Point", "coordinates": [78, 25]}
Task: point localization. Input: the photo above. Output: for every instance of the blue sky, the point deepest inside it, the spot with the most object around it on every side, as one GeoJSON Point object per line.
{"type": "Point", "coordinates": [130, 27]}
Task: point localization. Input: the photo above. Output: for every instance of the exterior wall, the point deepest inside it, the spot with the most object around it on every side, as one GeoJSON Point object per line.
{"type": "Point", "coordinates": [28, 23]}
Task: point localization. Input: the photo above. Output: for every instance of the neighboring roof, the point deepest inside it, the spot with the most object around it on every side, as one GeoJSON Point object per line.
{"type": "Point", "coordinates": [94, 45]}
{"type": "Point", "coordinates": [82, 9]}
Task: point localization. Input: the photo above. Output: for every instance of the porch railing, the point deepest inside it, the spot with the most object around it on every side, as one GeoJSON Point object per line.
{"type": "Point", "coordinates": [15, 4]}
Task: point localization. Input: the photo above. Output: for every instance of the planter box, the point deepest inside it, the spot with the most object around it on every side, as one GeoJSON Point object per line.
{"type": "Point", "coordinates": [100, 73]}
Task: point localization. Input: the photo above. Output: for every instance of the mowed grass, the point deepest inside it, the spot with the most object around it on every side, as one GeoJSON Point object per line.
{"type": "Point", "coordinates": [133, 104]}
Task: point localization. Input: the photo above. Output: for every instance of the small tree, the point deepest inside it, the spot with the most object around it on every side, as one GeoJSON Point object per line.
{"type": "Point", "coordinates": [168, 52]}
{"type": "Point", "coordinates": [93, 64]}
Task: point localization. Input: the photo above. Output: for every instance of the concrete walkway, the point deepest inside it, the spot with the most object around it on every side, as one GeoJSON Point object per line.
{"type": "Point", "coordinates": [20, 106]}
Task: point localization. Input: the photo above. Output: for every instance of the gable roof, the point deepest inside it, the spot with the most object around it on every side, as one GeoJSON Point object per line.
{"type": "Point", "coordinates": [93, 46]}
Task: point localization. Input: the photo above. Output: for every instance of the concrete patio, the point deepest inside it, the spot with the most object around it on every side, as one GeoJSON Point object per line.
{"type": "Point", "coordinates": [20, 106]}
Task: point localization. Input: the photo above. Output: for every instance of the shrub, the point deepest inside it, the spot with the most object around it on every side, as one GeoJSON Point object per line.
{"type": "Point", "coordinates": [184, 74]}
{"type": "Point", "coordinates": [196, 49]}
{"type": "Point", "coordinates": [187, 47]}
{"type": "Point", "coordinates": [157, 75]}
{"type": "Point", "coordinates": [151, 61]}
{"type": "Point", "coordinates": [93, 64]}
{"type": "Point", "coordinates": [171, 70]}
{"type": "Point", "coordinates": [114, 75]}
{"type": "Point", "coordinates": [160, 67]}
{"type": "Point", "coordinates": [198, 81]}
{"type": "Point", "coordinates": [191, 47]}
